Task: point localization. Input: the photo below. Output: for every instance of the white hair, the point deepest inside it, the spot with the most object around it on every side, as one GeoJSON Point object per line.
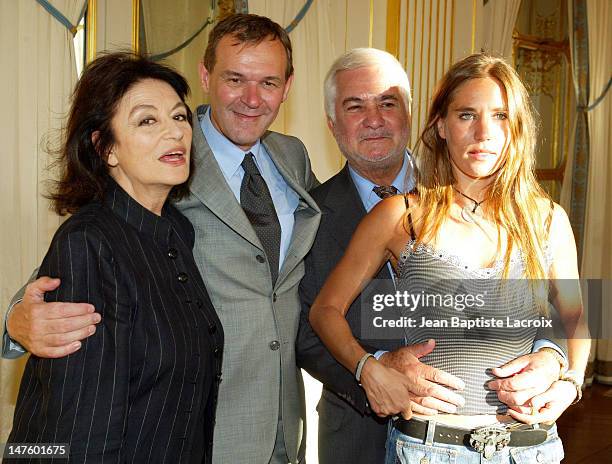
{"type": "Point", "coordinates": [364, 58]}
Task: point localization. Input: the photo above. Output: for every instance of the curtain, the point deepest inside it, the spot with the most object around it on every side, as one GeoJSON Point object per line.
{"type": "Point", "coordinates": [314, 49]}
{"type": "Point", "coordinates": [579, 151]}
{"type": "Point", "coordinates": [598, 226]}
{"type": "Point", "coordinates": [38, 74]}
{"type": "Point", "coordinates": [168, 25]}
{"type": "Point", "coordinates": [500, 17]}
{"type": "Point", "coordinates": [598, 220]}
{"type": "Point", "coordinates": [586, 192]}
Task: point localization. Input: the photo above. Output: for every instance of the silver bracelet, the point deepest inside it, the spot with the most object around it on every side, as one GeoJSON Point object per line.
{"type": "Point", "coordinates": [360, 365]}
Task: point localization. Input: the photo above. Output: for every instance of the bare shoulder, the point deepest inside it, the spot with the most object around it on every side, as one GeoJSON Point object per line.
{"type": "Point", "coordinates": [390, 211]}
{"type": "Point", "coordinates": [387, 220]}
{"type": "Point", "coordinates": [559, 221]}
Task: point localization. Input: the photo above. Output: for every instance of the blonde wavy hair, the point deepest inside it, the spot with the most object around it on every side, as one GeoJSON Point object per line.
{"type": "Point", "coordinates": [513, 196]}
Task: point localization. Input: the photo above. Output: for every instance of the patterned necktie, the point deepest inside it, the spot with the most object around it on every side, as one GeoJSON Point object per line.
{"type": "Point", "coordinates": [257, 204]}
{"type": "Point", "coordinates": [385, 191]}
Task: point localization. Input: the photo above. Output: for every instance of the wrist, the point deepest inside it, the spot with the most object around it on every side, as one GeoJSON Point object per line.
{"type": "Point", "coordinates": [9, 315]}
{"type": "Point", "coordinates": [576, 379]}
{"type": "Point", "coordinates": [360, 366]}
{"type": "Point", "coordinates": [551, 352]}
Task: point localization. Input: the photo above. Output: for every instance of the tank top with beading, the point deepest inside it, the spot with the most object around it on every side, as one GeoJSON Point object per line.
{"type": "Point", "coordinates": [468, 350]}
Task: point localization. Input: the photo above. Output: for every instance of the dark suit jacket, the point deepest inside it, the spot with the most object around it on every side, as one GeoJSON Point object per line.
{"type": "Point", "coordinates": [144, 387]}
{"type": "Point", "coordinates": [347, 431]}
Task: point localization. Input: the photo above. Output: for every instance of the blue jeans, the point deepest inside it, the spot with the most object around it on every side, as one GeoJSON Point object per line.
{"type": "Point", "coordinates": [402, 449]}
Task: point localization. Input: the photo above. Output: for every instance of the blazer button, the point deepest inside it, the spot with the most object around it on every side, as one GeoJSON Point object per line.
{"type": "Point", "coordinates": [172, 253]}
{"type": "Point", "coordinates": [212, 328]}
{"type": "Point", "coordinates": [182, 277]}
{"type": "Point", "coordinates": [217, 352]}
{"type": "Point", "coordinates": [200, 303]}
{"type": "Point", "coordinates": [218, 377]}
{"type": "Point", "coordinates": [274, 345]}
{"type": "Point", "coordinates": [260, 259]}
{"type": "Point", "coordinates": [274, 297]}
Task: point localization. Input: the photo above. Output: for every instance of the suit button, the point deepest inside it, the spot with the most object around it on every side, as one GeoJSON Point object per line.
{"type": "Point", "coordinates": [217, 352]}
{"type": "Point", "coordinates": [274, 297]}
{"type": "Point", "coordinates": [200, 303]}
{"type": "Point", "coordinates": [274, 345]}
{"type": "Point", "coordinates": [260, 259]}
{"type": "Point", "coordinates": [218, 377]}
{"type": "Point", "coordinates": [182, 277]}
{"type": "Point", "coordinates": [172, 253]}
{"type": "Point", "coordinates": [212, 328]}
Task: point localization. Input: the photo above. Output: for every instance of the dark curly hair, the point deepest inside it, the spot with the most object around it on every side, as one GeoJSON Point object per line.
{"type": "Point", "coordinates": [84, 172]}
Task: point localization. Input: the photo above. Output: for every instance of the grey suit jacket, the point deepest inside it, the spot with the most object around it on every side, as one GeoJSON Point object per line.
{"type": "Point", "coordinates": [260, 319]}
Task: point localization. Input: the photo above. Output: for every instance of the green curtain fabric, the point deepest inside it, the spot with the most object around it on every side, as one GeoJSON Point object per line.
{"type": "Point", "coordinates": [580, 168]}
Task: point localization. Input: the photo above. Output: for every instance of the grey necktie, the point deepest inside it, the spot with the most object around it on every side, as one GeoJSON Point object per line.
{"type": "Point", "coordinates": [257, 204]}
{"type": "Point", "coordinates": [385, 191]}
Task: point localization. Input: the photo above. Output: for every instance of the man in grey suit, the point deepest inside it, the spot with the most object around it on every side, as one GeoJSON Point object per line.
{"type": "Point", "coordinates": [251, 238]}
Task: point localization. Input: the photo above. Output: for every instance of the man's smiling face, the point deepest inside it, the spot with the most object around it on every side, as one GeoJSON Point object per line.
{"type": "Point", "coordinates": [246, 88]}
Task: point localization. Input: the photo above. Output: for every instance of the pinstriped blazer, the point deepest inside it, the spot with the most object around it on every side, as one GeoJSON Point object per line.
{"type": "Point", "coordinates": [260, 378]}
{"type": "Point", "coordinates": [143, 388]}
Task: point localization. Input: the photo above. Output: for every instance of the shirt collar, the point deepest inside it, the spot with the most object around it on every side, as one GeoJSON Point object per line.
{"type": "Point", "coordinates": [136, 215]}
{"type": "Point", "coordinates": [228, 156]}
{"type": "Point", "coordinates": [403, 182]}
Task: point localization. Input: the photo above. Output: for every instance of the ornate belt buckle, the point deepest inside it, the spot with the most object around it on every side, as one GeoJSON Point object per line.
{"type": "Point", "coordinates": [487, 440]}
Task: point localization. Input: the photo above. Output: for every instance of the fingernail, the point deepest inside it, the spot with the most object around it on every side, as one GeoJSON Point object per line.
{"type": "Point", "coordinates": [76, 346]}
{"type": "Point", "coordinates": [92, 330]}
{"type": "Point", "coordinates": [96, 318]}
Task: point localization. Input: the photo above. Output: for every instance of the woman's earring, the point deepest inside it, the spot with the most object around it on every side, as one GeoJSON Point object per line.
{"type": "Point", "coordinates": [108, 157]}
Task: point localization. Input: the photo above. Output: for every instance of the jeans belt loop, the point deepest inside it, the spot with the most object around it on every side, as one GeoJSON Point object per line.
{"type": "Point", "coordinates": [431, 432]}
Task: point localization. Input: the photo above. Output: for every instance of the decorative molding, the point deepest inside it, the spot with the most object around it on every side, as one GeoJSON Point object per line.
{"type": "Point", "coordinates": [229, 7]}
{"type": "Point", "coordinates": [393, 27]}
{"type": "Point", "coordinates": [581, 149]}
{"type": "Point", "coordinates": [371, 26]}
{"type": "Point", "coordinates": [90, 27]}
{"type": "Point", "coordinates": [136, 26]}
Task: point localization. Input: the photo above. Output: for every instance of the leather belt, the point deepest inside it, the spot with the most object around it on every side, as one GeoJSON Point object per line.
{"type": "Point", "coordinates": [486, 440]}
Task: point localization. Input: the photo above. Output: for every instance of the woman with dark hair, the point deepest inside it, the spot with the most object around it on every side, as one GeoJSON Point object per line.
{"type": "Point", "coordinates": [143, 388]}
{"type": "Point", "coordinates": [478, 226]}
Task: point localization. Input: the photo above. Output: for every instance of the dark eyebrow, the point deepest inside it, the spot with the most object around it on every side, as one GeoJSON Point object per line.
{"type": "Point", "coordinates": [469, 108]}
{"type": "Point", "coordinates": [153, 107]}
{"type": "Point", "coordinates": [229, 73]}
